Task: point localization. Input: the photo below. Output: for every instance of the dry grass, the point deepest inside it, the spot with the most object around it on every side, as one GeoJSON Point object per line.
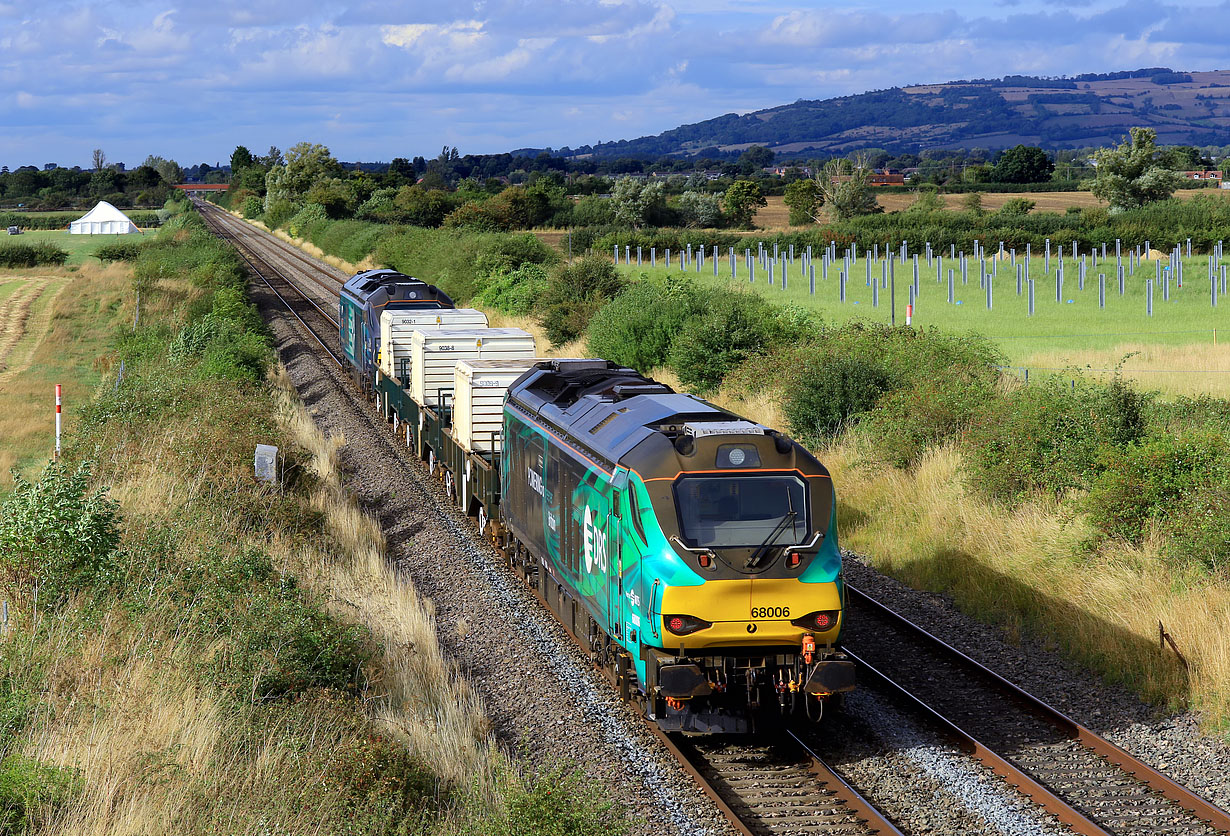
{"type": "Point", "coordinates": [1027, 569]}
{"type": "Point", "coordinates": [158, 752]}
{"type": "Point", "coordinates": [1169, 369]}
{"type": "Point", "coordinates": [424, 701]}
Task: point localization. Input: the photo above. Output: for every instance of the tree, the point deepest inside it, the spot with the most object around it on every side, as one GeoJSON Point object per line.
{"type": "Point", "coordinates": [700, 209]}
{"type": "Point", "coordinates": [100, 159]}
{"type": "Point", "coordinates": [972, 202]}
{"type": "Point", "coordinates": [1130, 175]}
{"type": "Point", "coordinates": [757, 156]}
{"type": "Point", "coordinates": [846, 187]}
{"type": "Point", "coordinates": [804, 199]}
{"type": "Point", "coordinates": [169, 170]}
{"type": "Point", "coordinates": [401, 167]}
{"type": "Point", "coordinates": [241, 158]}
{"type": "Point", "coordinates": [742, 200]}
{"type": "Point", "coordinates": [307, 163]}
{"type": "Point", "coordinates": [637, 202]}
{"type": "Point", "coordinates": [1023, 164]}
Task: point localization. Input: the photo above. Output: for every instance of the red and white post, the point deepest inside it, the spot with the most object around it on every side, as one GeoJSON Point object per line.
{"type": "Point", "coordinates": [58, 407]}
{"type": "Point", "coordinates": [909, 314]}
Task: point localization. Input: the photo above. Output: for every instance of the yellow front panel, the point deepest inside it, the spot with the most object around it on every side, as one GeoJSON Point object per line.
{"type": "Point", "coordinates": [766, 605]}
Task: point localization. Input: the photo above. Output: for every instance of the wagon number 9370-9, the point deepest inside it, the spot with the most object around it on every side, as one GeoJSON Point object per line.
{"type": "Point", "coordinates": [770, 612]}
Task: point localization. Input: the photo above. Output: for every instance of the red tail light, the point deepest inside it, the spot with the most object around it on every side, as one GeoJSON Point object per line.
{"type": "Point", "coordinates": [793, 560]}
{"type": "Point", "coordinates": [683, 625]}
{"type": "Point", "coordinates": [821, 620]}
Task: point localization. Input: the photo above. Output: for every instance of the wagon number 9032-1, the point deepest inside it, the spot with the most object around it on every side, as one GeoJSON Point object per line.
{"type": "Point", "coordinates": [770, 612]}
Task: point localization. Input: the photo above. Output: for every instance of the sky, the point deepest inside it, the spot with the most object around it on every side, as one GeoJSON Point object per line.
{"type": "Point", "coordinates": [377, 79]}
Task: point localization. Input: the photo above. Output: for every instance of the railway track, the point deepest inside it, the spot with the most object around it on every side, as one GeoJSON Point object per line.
{"type": "Point", "coordinates": [1088, 783]}
{"type": "Point", "coordinates": [783, 787]}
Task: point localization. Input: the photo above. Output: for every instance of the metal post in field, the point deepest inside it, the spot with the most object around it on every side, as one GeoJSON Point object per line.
{"type": "Point", "coordinates": [1059, 286]}
{"type": "Point", "coordinates": [715, 259]}
{"type": "Point", "coordinates": [784, 265]}
{"type": "Point", "coordinates": [1046, 260]}
{"type": "Point", "coordinates": [811, 283]}
{"type": "Point", "coordinates": [990, 293]}
{"type": "Point", "coordinates": [1018, 280]}
{"type": "Point", "coordinates": [875, 294]}
{"type": "Point", "coordinates": [732, 263]}
{"type": "Point", "coordinates": [1149, 297]}
{"type": "Point", "coordinates": [952, 287]}
{"type": "Point", "coordinates": [751, 273]}
{"type": "Point", "coordinates": [1121, 282]}
{"type": "Point", "coordinates": [868, 261]}
{"type": "Point", "coordinates": [653, 256]}
{"type": "Point", "coordinates": [1031, 297]}
{"type": "Point", "coordinates": [59, 402]}
{"type": "Point", "coordinates": [638, 256]}
{"type": "Point", "coordinates": [616, 253]}
{"type": "Point", "coordinates": [841, 280]}
{"type": "Point", "coordinates": [964, 269]}
{"type": "Point", "coordinates": [1189, 248]}
{"type": "Point", "coordinates": [1102, 289]}
{"type": "Point", "coordinates": [627, 253]}
{"type": "Point", "coordinates": [939, 269]}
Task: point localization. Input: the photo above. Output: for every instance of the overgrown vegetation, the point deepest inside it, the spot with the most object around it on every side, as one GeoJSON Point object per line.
{"type": "Point", "coordinates": [31, 255]}
{"type": "Point", "coordinates": [251, 698]}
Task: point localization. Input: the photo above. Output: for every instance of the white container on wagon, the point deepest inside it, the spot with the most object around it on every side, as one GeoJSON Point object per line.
{"type": "Point", "coordinates": [434, 354]}
{"type": "Point", "coordinates": [397, 326]}
{"type": "Point", "coordinates": [479, 387]}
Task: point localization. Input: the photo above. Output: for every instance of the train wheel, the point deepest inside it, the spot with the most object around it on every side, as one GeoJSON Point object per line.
{"type": "Point", "coordinates": [482, 521]}
{"type": "Point", "coordinates": [431, 462]}
{"type": "Point", "coordinates": [450, 486]}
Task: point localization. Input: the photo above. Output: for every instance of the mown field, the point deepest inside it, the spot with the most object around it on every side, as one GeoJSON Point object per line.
{"type": "Point", "coordinates": [55, 326]}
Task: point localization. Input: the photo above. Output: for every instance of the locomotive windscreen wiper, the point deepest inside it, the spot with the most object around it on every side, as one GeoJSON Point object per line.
{"type": "Point", "coordinates": [754, 560]}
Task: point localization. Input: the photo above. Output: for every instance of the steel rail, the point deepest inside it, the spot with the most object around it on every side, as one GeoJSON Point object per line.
{"type": "Point", "coordinates": [872, 818]}
{"type": "Point", "coordinates": [330, 284]}
{"type": "Point", "coordinates": [285, 302]}
{"type": "Point", "coordinates": [1167, 786]}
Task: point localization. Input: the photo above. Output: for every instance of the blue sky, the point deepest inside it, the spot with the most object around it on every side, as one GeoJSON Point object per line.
{"type": "Point", "coordinates": [375, 79]}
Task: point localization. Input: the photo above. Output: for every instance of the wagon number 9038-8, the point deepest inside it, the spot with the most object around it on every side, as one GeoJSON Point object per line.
{"type": "Point", "coordinates": [770, 612]}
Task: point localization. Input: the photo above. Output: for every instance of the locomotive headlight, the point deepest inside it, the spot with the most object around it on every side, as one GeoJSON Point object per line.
{"type": "Point", "coordinates": [683, 625]}
{"type": "Point", "coordinates": [821, 620]}
{"type": "Point", "coordinates": [737, 455]}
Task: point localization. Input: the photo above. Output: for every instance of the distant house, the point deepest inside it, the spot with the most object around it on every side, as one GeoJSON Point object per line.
{"type": "Point", "coordinates": [876, 178]}
{"type": "Point", "coordinates": [1201, 175]}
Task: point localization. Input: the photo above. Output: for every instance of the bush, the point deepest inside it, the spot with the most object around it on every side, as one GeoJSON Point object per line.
{"type": "Point", "coordinates": [513, 291]}
{"type": "Point", "coordinates": [55, 534]}
{"type": "Point", "coordinates": [30, 790]}
{"type": "Point", "coordinates": [639, 326]}
{"type": "Point", "coordinates": [904, 387]}
{"type": "Point", "coordinates": [559, 804]}
{"type": "Point", "coordinates": [312, 213]}
{"type": "Point", "coordinates": [1171, 483]}
{"type": "Point", "coordinates": [121, 250]}
{"type": "Point", "coordinates": [217, 347]}
{"type": "Point", "coordinates": [41, 254]}
{"type": "Point", "coordinates": [1049, 436]}
{"type": "Point", "coordinates": [575, 292]}
{"type": "Point", "coordinates": [732, 327]}
{"type": "Point", "coordinates": [252, 207]}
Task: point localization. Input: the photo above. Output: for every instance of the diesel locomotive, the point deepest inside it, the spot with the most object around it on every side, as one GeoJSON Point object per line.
{"type": "Point", "coordinates": [692, 552]}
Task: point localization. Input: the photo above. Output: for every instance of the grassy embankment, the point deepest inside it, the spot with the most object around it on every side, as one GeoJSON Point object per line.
{"type": "Point", "coordinates": [1035, 565]}
{"type": "Point", "coordinates": [208, 654]}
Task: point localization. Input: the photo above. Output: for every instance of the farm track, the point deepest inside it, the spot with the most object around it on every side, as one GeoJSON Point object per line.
{"type": "Point", "coordinates": [784, 787]}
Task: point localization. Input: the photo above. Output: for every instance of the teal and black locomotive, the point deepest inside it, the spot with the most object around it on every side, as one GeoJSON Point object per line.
{"type": "Point", "coordinates": [693, 552]}
{"type": "Point", "coordinates": [364, 297]}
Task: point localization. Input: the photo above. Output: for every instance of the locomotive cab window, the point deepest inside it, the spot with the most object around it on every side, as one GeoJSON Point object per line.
{"type": "Point", "coordinates": [742, 511]}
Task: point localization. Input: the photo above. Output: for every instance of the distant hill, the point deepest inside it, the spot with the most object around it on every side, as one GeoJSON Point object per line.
{"type": "Point", "coordinates": [1087, 110]}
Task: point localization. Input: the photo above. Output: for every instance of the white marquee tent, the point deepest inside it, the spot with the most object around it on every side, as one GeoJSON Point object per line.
{"type": "Point", "coordinates": [103, 219]}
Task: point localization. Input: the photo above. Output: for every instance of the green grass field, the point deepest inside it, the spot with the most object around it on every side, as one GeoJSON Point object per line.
{"type": "Point", "coordinates": [80, 248]}
{"type": "Point", "coordinates": [1072, 332]}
